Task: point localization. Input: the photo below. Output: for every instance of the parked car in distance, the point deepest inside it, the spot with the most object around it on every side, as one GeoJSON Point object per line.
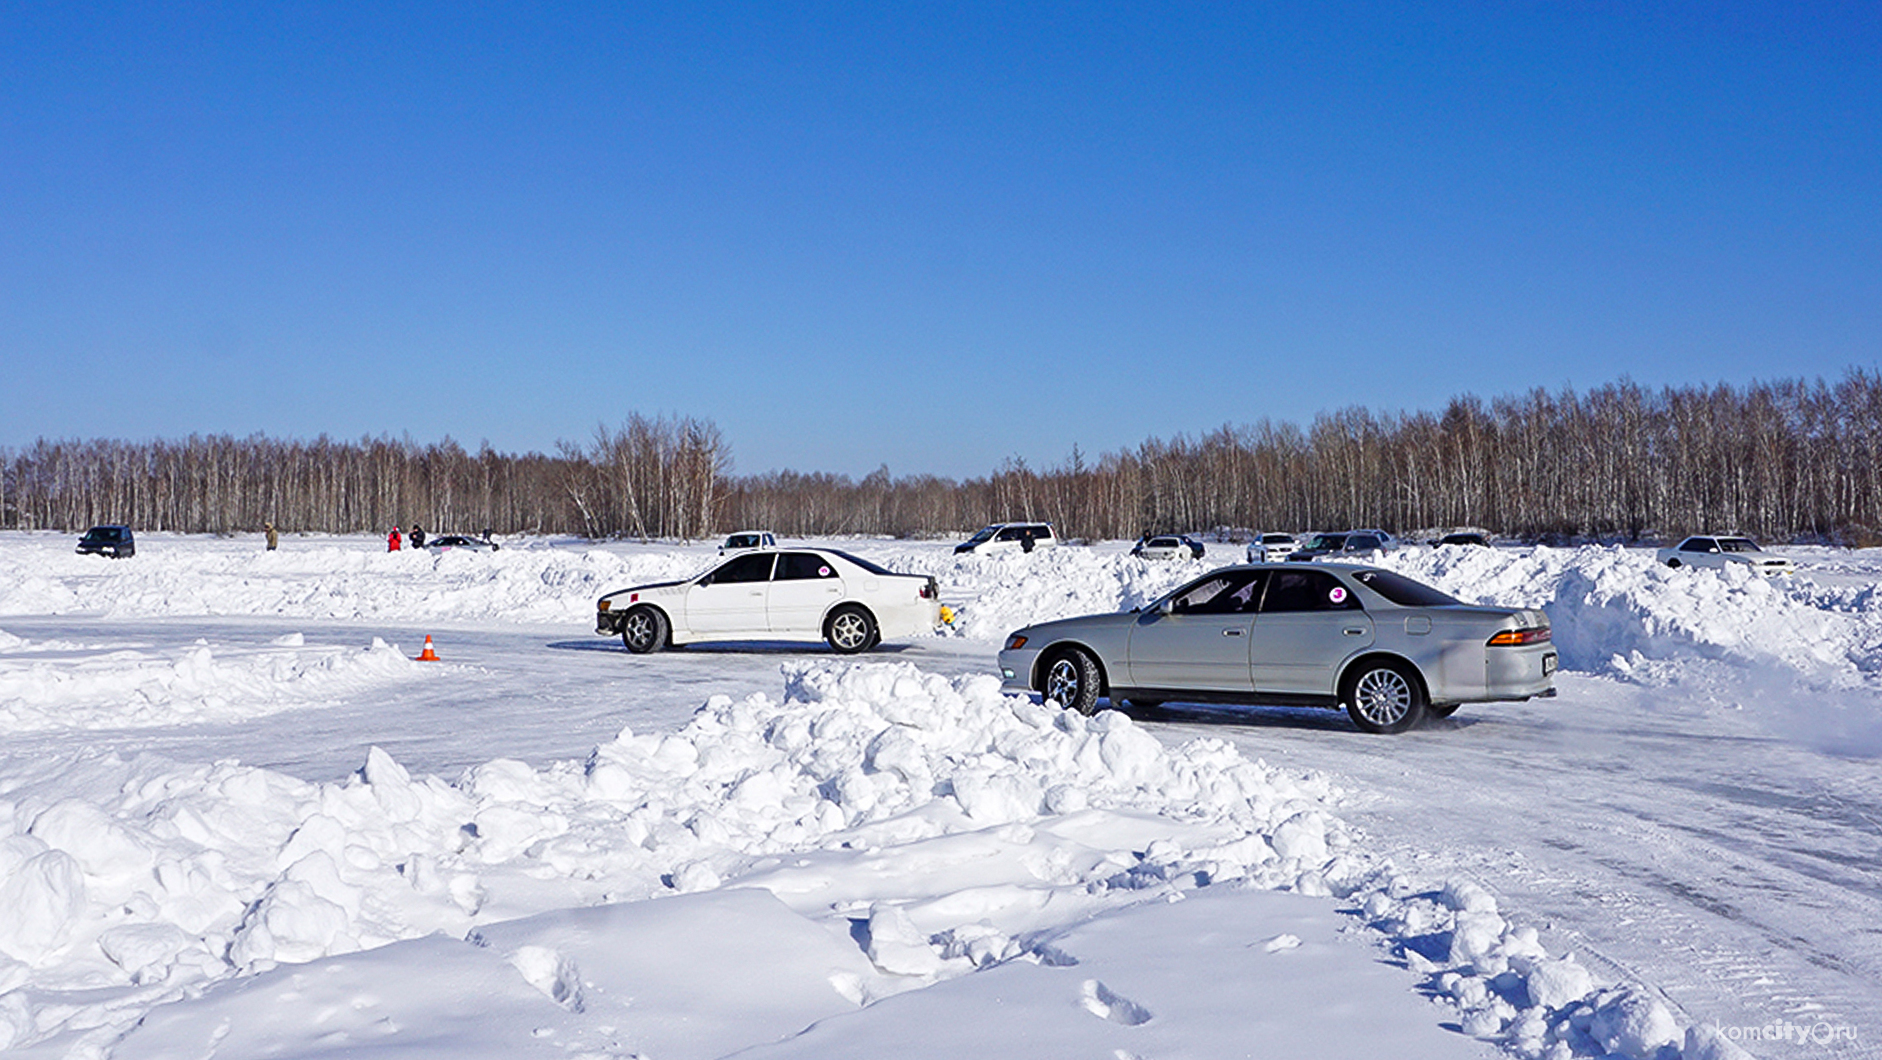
{"type": "Point", "coordinates": [457, 542]}
{"type": "Point", "coordinates": [1272, 547]}
{"type": "Point", "coordinates": [1465, 538]}
{"type": "Point", "coordinates": [1724, 550]}
{"type": "Point", "coordinates": [746, 540]}
{"type": "Point", "coordinates": [109, 539]}
{"type": "Point", "coordinates": [1008, 537]}
{"type": "Point", "coordinates": [1168, 546]}
{"type": "Point", "coordinates": [1391, 650]}
{"type": "Point", "coordinates": [1346, 544]}
{"type": "Point", "coordinates": [775, 594]}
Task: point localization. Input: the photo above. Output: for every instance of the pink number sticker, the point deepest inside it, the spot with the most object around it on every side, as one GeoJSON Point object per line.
{"type": "Point", "coordinates": [1337, 594]}
{"type": "Point", "coordinates": [823, 572]}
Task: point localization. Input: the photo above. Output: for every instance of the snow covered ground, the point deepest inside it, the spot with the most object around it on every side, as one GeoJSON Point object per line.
{"type": "Point", "coordinates": [236, 820]}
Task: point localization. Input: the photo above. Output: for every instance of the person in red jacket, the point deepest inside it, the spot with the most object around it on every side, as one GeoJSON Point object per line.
{"type": "Point", "coordinates": [392, 540]}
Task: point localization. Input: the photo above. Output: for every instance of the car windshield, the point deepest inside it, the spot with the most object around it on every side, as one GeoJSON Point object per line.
{"type": "Point", "coordinates": [1275, 539]}
{"type": "Point", "coordinates": [985, 533]}
{"type": "Point", "coordinates": [1329, 542]}
{"type": "Point", "coordinates": [1402, 590]}
{"type": "Point", "coordinates": [1738, 544]}
{"type": "Point", "coordinates": [861, 562]}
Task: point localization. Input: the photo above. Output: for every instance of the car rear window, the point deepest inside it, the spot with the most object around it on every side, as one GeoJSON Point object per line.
{"type": "Point", "coordinates": [1402, 590]}
{"type": "Point", "coordinates": [863, 563]}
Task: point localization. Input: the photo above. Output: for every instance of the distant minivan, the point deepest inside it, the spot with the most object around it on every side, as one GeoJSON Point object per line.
{"type": "Point", "coordinates": [1008, 537]}
{"type": "Point", "coordinates": [111, 539]}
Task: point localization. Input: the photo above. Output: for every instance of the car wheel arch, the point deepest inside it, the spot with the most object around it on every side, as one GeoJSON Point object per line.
{"type": "Point", "coordinates": [664, 626]}
{"type": "Point", "coordinates": [1059, 647]}
{"type": "Point", "coordinates": [874, 624]}
{"type": "Point", "coordinates": [1370, 658]}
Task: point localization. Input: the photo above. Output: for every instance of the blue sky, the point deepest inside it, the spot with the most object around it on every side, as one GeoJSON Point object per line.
{"type": "Point", "coordinates": [922, 235]}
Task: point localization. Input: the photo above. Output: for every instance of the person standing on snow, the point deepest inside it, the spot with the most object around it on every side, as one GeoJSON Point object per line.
{"type": "Point", "coordinates": [418, 536]}
{"type": "Point", "coordinates": [274, 537]}
{"type": "Point", "coordinates": [392, 540]}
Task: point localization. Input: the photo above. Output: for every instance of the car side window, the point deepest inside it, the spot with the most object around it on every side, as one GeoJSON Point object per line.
{"type": "Point", "coordinates": [1011, 533]}
{"type": "Point", "coordinates": [1363, 543]}
{"type": "Point", "coordinates": [1234, 592]}
{"type": "Point", "coordinates": [802, 566]}
{"type": "Point", "coordinates": [1696, 544]}
{"type": "Point", "coordinates": [1306, 590]}
{"type": "Point", "coordinates": [743, 569]}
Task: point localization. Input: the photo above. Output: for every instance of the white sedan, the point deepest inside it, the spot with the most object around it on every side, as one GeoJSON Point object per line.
{"type": "Point", "coordinates": [1711, 550]}
{"type": "Point", "coordinates": [784, 594]}
{"type": "Point", "coordinates": [1271, 548]}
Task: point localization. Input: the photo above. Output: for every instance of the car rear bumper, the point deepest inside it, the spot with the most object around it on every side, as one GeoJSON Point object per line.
{"type": "Point", "coordinates": [1520, 673]}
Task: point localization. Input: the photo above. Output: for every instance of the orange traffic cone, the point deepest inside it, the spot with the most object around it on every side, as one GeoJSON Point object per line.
{"type": "Point", "coordinates": [428, 655]}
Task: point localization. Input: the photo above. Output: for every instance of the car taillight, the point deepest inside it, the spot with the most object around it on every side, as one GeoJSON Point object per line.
{"type": "Point", "coordinates": [1016, 642]}
{"type": "Point", "coordinates": [1516, 638]}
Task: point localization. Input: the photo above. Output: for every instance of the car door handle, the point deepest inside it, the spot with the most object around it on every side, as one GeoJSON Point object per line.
{"type": "Point", "coordinates": [1352, 631]}
{"type": "Point", "coordinates": [1233, 632]}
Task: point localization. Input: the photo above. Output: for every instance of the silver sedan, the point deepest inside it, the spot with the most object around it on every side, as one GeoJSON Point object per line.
{"type": "Point", "coordinates": [1392, 651]}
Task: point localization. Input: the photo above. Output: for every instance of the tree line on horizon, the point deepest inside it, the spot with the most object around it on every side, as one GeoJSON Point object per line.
{"type": "Point", "coordinates": [1783, 460]}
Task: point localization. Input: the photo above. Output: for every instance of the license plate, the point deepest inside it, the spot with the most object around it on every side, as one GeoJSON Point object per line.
{"type": "Point", "coordinates": [1548, 664]}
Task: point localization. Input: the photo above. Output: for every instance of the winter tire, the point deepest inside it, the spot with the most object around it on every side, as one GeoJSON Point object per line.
{"type": "Point", "coordinates": [643, 630]}
{"type": "Point", "coordinates": [1672, 562]}
{"type": "Point", "coordinates": [1072, 680]}
{"type": "Point", "coordinates": [1383, 697]}
{"type": "Point", "coordinates": [850, 630]}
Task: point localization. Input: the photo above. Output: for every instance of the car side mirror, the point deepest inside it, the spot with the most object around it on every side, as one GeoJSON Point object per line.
{"type": "Point", "coordinates": [1167, 607]}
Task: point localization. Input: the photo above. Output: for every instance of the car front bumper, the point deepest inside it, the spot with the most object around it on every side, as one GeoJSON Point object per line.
{"type": "Point", "coordinates": [1016, 669]}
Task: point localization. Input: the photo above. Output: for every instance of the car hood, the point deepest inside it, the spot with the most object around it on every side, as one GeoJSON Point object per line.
{"type": "Point", "coordinates": [1062, 626]}
{"type": "Point", "coordinates": [645, 588]}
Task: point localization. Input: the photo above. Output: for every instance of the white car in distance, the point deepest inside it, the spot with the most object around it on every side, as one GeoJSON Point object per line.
{"type": "Point", "coordinates": [1724, 550]}
{"type": "Point", "coordinates": [1008, 537]}
{"type": "Point", "coordinates": [775, 594]}
{"type": "Point", "coordinates": [746, 540]}
{"type": "Point", "coordinates": [1271, 548]}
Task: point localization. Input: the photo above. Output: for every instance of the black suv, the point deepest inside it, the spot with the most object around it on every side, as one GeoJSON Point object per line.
{"type": "Point", "coordinates": [111, 540]}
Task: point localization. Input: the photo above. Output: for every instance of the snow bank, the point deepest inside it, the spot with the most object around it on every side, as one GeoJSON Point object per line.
{"type": "Point", "coordinates": [1610, 606]}
{"type": "Point", "coordinates": [950, 818]}
{"type": "Point", "coordinates": [48, 686]}
{"type": "Point", "coordinates": [952, 827]}
{"type": "Point", "coordinates": [327, 578]}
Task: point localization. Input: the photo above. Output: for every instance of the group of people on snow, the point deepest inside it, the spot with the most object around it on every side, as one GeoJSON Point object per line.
{"type": "Point", "coordinates": [394, 540]}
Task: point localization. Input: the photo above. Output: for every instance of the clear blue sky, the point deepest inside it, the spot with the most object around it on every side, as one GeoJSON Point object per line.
{"type": "Point", "coordinates": [931, 236]}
